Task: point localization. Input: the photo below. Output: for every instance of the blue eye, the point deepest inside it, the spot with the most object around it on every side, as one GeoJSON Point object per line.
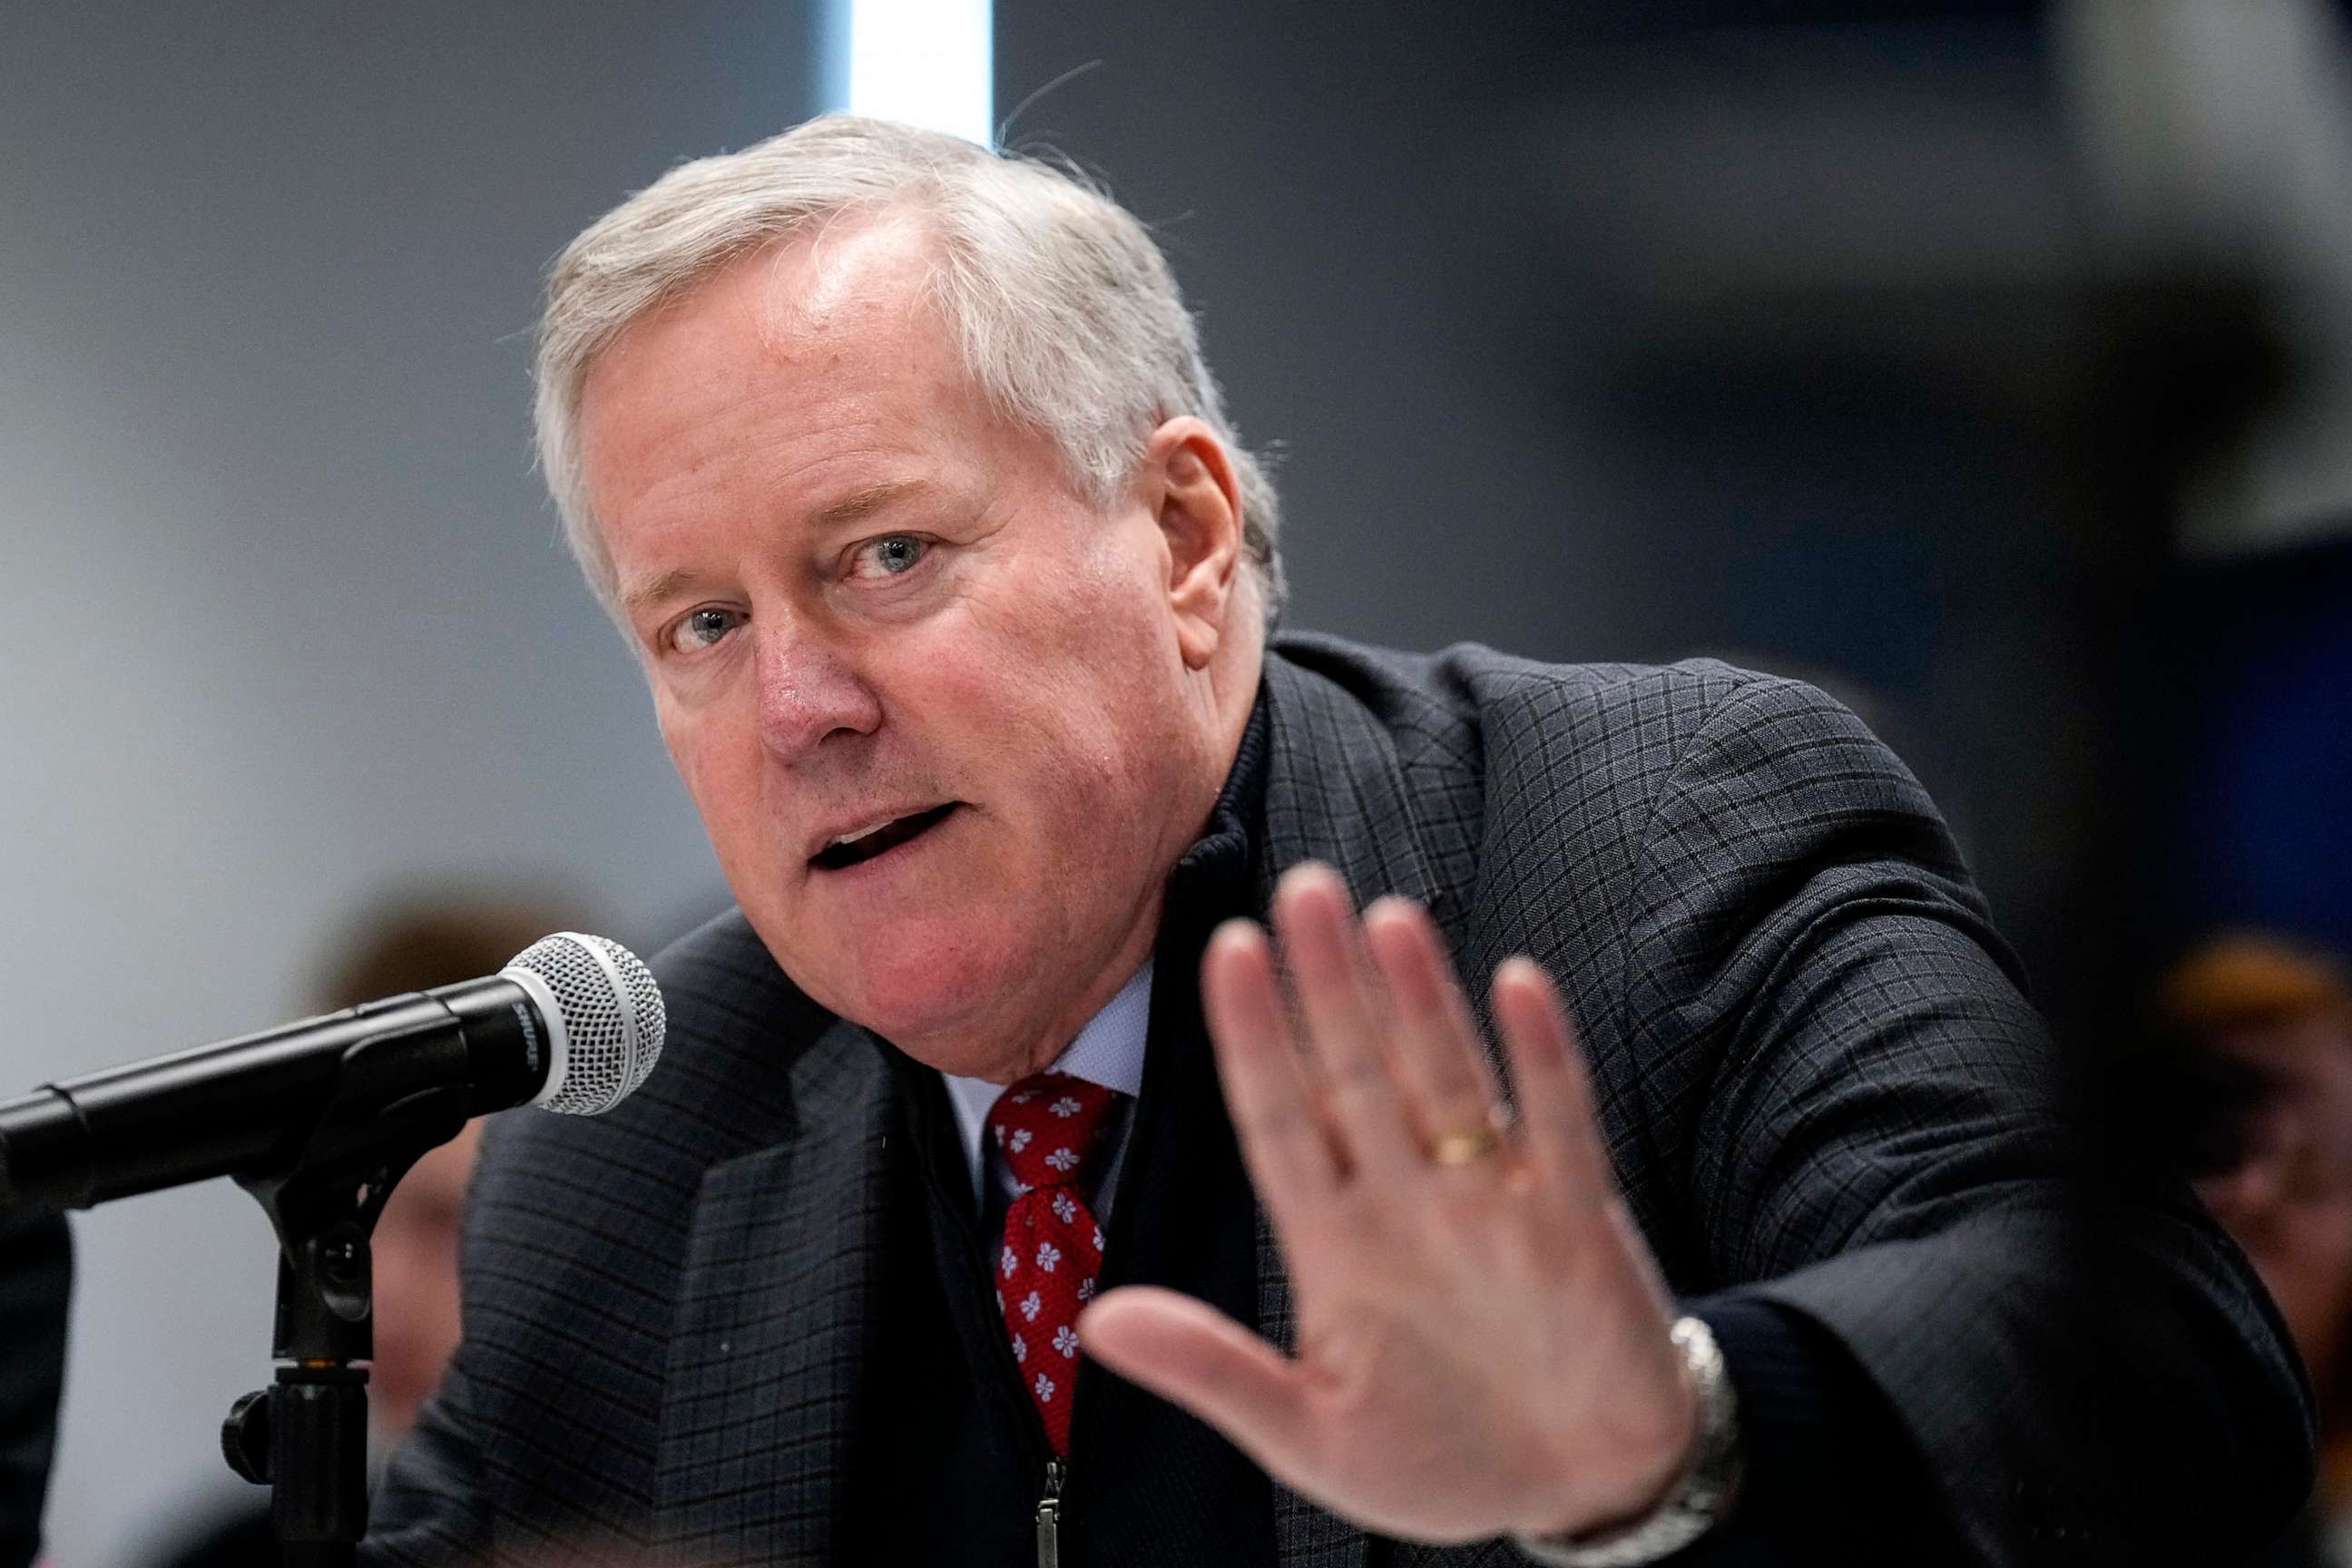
{"type": "Point", "coordinates": [701, 628]}
{"type": "Point", "coordinates": [893, 554]}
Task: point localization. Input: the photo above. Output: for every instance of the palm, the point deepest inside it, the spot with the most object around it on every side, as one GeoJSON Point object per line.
{"type": "Point", "coordinates": [1482, 1341]}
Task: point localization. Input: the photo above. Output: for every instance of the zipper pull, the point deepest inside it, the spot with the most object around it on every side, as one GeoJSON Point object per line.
{"type": "Point", "coordinates": [1049, 1518]}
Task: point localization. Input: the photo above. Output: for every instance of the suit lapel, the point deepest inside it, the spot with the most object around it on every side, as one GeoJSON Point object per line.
{"type": "Point", "coordinates": [776, 1306]}
{"type": "Point", "coordinates": [1334, 792]}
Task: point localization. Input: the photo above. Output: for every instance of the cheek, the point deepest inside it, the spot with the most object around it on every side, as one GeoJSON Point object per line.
{"type": "Point", "coordinates": [696, 742]}
{"type": "Point", "coordinates": [1093, 665]}
{"type": "Point", "coordinates": [719, 765]}
{"type": "Point", "coordinates": [1092, 760]}
{"type": "Point", "coordinates": [1072, 720]}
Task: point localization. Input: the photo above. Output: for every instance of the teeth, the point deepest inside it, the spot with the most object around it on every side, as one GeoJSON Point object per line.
{"type": "Point", "coordinates": [861, 833]}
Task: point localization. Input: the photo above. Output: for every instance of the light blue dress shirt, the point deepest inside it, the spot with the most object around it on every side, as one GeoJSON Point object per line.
{"type": "Point", "coordinates": [1108, 1051]}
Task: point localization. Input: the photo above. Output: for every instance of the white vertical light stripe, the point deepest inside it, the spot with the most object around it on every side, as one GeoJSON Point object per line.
{"type": "Point", "coordinates": [925, 62]}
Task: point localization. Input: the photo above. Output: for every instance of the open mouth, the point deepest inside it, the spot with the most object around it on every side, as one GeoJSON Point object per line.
{"type": "Point", "coordinates": [874, 841]}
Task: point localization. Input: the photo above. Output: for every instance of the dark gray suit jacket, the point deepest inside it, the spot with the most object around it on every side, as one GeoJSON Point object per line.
{"type": "Point", "coordinates": [1817, 1077]}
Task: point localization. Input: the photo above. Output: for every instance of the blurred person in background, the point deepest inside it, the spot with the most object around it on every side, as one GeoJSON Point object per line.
{"type": "Point", "coordinates": [411, 944]}
{"type": "Point", "coordinates": [35, 1277]}
{"type": "Point", "coordinates": [2255, 1063]}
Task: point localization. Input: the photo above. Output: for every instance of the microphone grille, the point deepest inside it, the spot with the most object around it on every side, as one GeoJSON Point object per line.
{"type": "Point", "coordinates": [610, 1020]}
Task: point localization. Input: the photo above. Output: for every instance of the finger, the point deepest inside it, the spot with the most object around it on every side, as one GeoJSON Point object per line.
{"type": "Point", "coordinates": [1190, 1353]}
{"type": "Point", "coordinates": [1342, 1022]}
{"type": "Point", "coordinates": [1448, 1081]}
{"type": "Point", "coordinates": [1275, 1120]}
{"type": "Point", "coordinates": [1560, 1135]}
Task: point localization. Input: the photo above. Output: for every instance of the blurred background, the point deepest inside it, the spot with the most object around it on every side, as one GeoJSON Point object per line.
{"type": "Point", "coordinates": [1990, 363]}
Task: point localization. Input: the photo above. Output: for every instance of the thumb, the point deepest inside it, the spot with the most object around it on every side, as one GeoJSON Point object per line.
{"type": "Point", "coordinates": [1187, 1353]}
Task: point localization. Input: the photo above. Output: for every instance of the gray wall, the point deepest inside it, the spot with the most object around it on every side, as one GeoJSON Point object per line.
{"type": "Point", "coordinates": [288, 619]}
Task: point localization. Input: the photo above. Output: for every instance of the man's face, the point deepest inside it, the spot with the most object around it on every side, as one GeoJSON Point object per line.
{"type": "Point", "coordinates": [868, 606]}
{"type": "Point", "coordinates": [2288, 1202]}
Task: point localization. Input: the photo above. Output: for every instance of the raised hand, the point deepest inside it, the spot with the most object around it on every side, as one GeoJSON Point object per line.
{"type": "Point", "coordinates": [1483, 1339]}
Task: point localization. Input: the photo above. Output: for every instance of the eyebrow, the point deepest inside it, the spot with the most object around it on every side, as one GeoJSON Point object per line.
{"type": "Point", "coordinates": [859, 505]}
{"type": "Point", "coordinates": [850, 509]}
{"type": "Point", "coordinates": [662, 587]}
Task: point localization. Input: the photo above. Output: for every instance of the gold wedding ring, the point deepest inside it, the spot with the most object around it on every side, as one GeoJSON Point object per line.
{"type": "Point", "coordinates": [1456, 1150]}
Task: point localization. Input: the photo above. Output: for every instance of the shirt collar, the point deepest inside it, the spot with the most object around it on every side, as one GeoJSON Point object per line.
{"type": "Point", "coordinates": [1108, 1051]}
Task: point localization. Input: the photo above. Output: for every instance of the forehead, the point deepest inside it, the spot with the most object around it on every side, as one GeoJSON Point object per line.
{"type": "Point", "coordinates": [2313, 1047]}
{"type": "Point", "coordinates": [801, 369]}
{"type": "Point", "coordinates": [853, 290]}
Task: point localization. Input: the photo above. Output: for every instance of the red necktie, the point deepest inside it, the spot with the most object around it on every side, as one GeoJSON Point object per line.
{"type": "Point", "coordinates": [1048, 1131]}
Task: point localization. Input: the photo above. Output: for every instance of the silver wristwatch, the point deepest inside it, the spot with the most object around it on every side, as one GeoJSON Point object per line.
{"type": "Point", "coordinates": [1697, 1501]}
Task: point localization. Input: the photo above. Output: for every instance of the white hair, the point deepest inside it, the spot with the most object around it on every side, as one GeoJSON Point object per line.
{"type": "Point", "coordinates": [1065, 313]}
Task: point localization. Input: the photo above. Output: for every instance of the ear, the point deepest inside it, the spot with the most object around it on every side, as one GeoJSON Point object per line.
{"type": "Point", "coordinates": [1188, 480]}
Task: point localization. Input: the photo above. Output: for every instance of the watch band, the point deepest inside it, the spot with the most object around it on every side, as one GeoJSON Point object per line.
{"type": "Point", "coordinates": [1697, 1501]}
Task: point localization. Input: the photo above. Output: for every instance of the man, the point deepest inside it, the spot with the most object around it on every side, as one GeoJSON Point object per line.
{"type": "Point", "coordinates": [35, 1277]}
{"type": "Point", "coordinates": [943, 1235]}
{"type": "Point", "coordinates": [2249, 1089]}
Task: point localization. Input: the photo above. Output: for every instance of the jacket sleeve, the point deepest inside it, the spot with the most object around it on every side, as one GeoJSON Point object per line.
{"type": "Point", "coordinates": [1880, 1136]}
{"type": "Point", "coordinates": [428, 1511]}
{"type": "Point", "coordinates": [535, 1449]}
{"type": "Point", "coordinates": [36, 1276]}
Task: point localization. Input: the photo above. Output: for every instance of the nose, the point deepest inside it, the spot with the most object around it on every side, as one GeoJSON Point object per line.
{"type": "Point", "coordinates": [810, 690]}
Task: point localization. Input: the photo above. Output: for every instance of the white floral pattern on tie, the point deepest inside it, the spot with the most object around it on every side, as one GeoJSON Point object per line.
{"type": "Point", "coordinates": [1053, 1245]}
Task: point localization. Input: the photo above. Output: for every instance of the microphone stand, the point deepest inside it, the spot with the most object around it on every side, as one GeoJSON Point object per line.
{"type": "Point", "coordinates": [305, 1436]}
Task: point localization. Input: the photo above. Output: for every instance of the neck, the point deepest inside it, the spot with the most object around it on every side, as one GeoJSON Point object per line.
{"type": "Point", "coordinates": [1045, 1047]}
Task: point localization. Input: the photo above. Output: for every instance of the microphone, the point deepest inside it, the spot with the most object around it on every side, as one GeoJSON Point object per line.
{"type": "Point", "coordinates": [574, 1023]}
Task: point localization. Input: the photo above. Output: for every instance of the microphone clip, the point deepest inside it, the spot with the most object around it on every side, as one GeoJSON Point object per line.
{"type": "Point", "coordinates": [306, 1436]}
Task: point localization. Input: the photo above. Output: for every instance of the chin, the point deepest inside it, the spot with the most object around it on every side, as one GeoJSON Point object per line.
{"type": "Point", "coordinates": [927, 990]}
